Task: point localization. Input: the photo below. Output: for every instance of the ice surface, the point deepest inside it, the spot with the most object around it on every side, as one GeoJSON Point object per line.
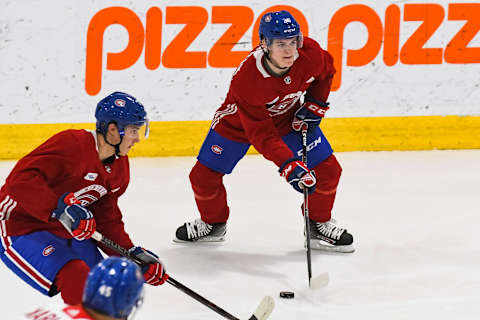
{"type": "Point", "coordinates": [414, 217]}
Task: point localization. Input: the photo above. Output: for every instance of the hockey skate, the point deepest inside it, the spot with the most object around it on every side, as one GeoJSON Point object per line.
{"type": "Point", "coordinates": [200, 231]}
{"type": "Point", "coordinates": [328, 236]}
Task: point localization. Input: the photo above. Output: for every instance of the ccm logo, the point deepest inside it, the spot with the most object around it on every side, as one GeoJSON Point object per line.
{"type": "Point", "coordinates": [316, 109]}
{"type": "Point", "coordinates": [431, 16]}
{"type": "Point", "coordinates": [310, 147]}
{"type": "Point", "coordinates": [216, 149]}
{"type": "Point", "coordinates": [48, 250]}
{"type": "Point", "coordinates": [175, 54]}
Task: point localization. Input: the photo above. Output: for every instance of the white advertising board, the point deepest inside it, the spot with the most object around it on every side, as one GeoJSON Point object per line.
{"type": "Point", "coordinates": [58, 58]}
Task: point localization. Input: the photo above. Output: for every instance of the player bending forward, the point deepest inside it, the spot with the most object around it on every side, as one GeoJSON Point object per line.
{"type": "Point", "coordinates": [264, 108]}
{"type": "Point", "coordinates": [113, 291]}
{"type": "Point", "coordinates": [60, 193]}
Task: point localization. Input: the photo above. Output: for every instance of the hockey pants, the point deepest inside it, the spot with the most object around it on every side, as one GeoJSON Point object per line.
{"type": "Point", "coordinates": [211, 196]}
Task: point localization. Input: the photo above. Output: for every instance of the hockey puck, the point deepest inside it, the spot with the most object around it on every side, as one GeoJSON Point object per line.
{"type": "Point", "coordinates": [287, 294]}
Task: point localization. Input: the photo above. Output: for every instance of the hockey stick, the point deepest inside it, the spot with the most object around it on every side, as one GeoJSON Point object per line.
{"type": "Point", "coordinates": [323, 279]}
{"type": "Point", "coordinates": [263, 311]}
{"type": "Point", "coordinates": [305, 205]}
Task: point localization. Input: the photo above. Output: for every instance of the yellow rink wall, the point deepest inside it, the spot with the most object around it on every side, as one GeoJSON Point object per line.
{"type": "Point", "coordinates": [184, 138]}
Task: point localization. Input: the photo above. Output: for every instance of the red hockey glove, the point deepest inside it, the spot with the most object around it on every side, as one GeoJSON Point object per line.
{"type": "Point", "coordinates": [78, 220]}
{"type": "Point", "coordinates": [153, 269]}
{"type": "Point", "coordinates": [298, 175]}
{"type": "Point", "coordinates": [310, 114]}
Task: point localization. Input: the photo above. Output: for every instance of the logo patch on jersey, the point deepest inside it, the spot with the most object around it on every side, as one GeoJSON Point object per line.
{"type": "Point", "coordinates": [108, 169]}
{"type": "Point", "coordinates": [285, 104]}
{"type": "Point", "coordinates": [287, 80]}
{"type": "Point", "coordinates": [216, 149]}
{"type": "Point", "coordinates": [48, 250]}
{"type": "Point", "coordinates": [91, 176]}
{"type": "Point", "coordinates": [120, 102]}
{"type": "Point", "coordinates": [90, 194]}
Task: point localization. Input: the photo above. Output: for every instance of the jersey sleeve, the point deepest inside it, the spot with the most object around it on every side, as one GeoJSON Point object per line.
{"type": "Point", "coordinates": [110, 224]}
{"type": "Point", "coordinates": [322, 62]}
{"type": "Point", "coordinates": [29, 181]}
{"type": "Point", "coordinates": [261, 131]}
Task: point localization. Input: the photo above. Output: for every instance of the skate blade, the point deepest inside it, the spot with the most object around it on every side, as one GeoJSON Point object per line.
{"type": "Point", "coordinates": [203, 240]}
{"type": "Point", "coordinates": [319, 245]}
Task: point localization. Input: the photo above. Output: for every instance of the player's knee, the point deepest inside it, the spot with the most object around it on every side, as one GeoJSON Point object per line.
{"type": "Point", "coordinates": [204, 178]}
{"type": "Point", "coordinates": [336, 168]}
{"type": "Point", "coordinates": [328, 173]}
{"type": "Point", "coordinates": [71, 279]}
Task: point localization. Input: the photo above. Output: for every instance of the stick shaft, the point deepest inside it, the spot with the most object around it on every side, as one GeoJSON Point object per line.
{"type": "Point", "coordinates": [124, 252]}
{"type": "Point", "coordinates": [305, 206]}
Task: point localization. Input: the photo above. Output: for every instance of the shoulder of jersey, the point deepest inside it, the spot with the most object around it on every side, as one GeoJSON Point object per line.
{"type": "Point", "coordinates": [311, 47]}
{"type": "Point", "coordinates": [251, 69]}
{"type": "Point", "coordinates": [315, 55]}
{"type": "Point", "coordinates": [69, 136]}
{"type": "Point", "coordinates": [74, 139]}
{"type": "Point", "coordinates": [73, 133]}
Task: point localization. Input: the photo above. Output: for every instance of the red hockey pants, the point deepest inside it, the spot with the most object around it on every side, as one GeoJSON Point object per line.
{"type": "Point", "coordinates": [211, 196]}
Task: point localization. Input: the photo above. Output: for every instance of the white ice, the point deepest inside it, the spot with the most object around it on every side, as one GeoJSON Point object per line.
{"type": "Point", "coordinates": [414, 217]}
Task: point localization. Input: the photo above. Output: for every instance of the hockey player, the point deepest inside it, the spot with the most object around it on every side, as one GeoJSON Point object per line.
{"type": "Point", "coordinates": [281, 85]}
{"type": "Point", "coordinates": [60, 193]}
{"type": "Point", "coordinates": [113, 291]}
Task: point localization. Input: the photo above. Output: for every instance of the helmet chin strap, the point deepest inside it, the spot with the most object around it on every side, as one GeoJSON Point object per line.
{"type": "Point", "coordinates": [116, 146]}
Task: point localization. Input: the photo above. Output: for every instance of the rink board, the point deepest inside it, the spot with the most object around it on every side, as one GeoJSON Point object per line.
{"type": "Point", "coordinates": [184, 138]}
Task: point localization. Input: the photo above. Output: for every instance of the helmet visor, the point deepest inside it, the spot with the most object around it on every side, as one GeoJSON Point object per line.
{"type": "Point", "coordinates": [139, 132]}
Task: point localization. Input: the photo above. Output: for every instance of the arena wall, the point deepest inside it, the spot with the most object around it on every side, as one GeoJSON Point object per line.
{"type": "Point", "coordinates": [407, 72]}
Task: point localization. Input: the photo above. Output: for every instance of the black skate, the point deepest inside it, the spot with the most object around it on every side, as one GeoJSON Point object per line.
{"type": "Point", "coordinates": [199, 231]}
{"type": "Point", "coordinates": [328, 236]}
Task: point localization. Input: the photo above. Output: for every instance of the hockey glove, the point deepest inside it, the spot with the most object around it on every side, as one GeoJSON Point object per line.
{"type": "Point", "coordinates": [298, 175]}
{"type": "Point", "coordinates": [152, 268]}
{"type": "Point", "coordinates": [310, 114]}
{"type": "Point", "coordinates": [78, 220]}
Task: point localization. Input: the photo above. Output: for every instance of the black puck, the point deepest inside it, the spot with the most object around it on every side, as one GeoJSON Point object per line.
{"type": "Point", "coordinates": [287, 294]}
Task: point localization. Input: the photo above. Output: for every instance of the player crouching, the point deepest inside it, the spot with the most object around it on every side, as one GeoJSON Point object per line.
{"type": "Point", "coordinates": [281, 86]}
{"type": "Point", "coordinates": [59, 194]}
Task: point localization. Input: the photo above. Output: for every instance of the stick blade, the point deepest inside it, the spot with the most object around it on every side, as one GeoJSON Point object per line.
{"type": "Point", "coordinates": [264, 309]}
{"type": "Point", "coordinates": [320, 281]}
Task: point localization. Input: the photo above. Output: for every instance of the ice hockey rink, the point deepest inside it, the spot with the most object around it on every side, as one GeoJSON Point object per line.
{"type": "Point", "coordinates": [414, 217]}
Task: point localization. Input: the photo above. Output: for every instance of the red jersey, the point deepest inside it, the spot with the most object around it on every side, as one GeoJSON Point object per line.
{"type": "Point", "coordinates": [259, 107]}
{"type": "Point", "coordinates": [59, 312]}
{"type": "Point", "coordinates": [67, 162]}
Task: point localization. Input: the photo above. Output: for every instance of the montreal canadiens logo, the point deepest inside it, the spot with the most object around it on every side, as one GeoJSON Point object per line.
{"type": "Point", "coordinates": [120, 103]}
{"type": "Point", "coordinates": [48, 250]}
{"type": "Point", "coordinates": [90, 194]}
{"type": "Point", "coordinates": [216, 149]}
